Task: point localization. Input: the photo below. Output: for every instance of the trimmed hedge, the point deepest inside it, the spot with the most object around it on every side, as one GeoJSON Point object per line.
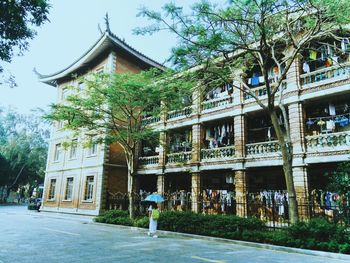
{"type": "Point", "coordinates": [32, 206]}
{"type": "Point", "coordinates": [316, 234]}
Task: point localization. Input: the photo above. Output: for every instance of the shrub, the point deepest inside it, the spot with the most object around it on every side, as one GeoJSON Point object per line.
{"type": "Point", "coordinates": [32, 206]}
{"type": "Point", "coordinates": [315, 234]}
{"type": "Point", "coordinates": [211, 225]}
{"type": "Point", "coordinates": [142, 222]}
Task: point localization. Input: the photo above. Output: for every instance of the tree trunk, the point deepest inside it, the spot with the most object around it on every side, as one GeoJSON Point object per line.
{"type": "Point", "coordinates": [287, 157]}
{"type": "Point", "coordinates": [131, 188]}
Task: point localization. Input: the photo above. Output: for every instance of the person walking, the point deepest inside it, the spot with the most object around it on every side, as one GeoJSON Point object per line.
{"type": "Point", "coordinates": [153, 219]}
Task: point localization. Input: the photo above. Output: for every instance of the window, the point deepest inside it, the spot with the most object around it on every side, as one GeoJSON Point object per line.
{"type": "Point", "coordinates": [60, 125]}
{"type": "Point", "coordinates": [100, 69]}
{"type": "Point", "coordinates": [57, 153]}
{"type": "Point", "coordinates": [73, 149]}
{"type": "Point", "coordinates": [64, 93]}
{"type": "Point", "coordinates": [69, 189]}
{"type": "Point", "coordinates": [52, 189]}
{"type": "Point", "coordinates": [92, 149]}
{"type": "Point", "coordinates": [81, 86]}
{"type": "Point", "coordinates": [89, 188]}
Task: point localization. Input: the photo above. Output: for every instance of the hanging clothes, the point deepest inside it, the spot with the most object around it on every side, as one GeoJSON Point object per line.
{"type": "Point", "coordinates": [344, 45]}
{"type": "Point", "coordinates": [328, 62]}
{"type": "Point", "coordinates": [269, 133]}
{"type": "Point", "coordinates": [332, 109]}
{"type": "Point", "coordinates": [313, 55]}
{"type": "Point", "coordinates": [255, 79]}
{"type": "Point", "coordinates": [306, 67]}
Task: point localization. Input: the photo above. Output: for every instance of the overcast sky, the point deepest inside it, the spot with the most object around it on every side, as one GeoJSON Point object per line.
{"type": "Point", "coordinates": [72, 30]}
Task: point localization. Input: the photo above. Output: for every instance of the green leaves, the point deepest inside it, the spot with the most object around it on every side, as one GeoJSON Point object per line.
{"type": "Point", "coordinates": [111, 107]}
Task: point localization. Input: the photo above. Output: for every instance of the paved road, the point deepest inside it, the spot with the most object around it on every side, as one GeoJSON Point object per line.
{"type": "Point", "coordinates": [28, 236]}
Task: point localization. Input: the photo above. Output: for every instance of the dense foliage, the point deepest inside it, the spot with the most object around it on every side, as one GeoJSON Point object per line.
{"type": "Point", "coordinates": [23, 150]}
{"type": "Point", "coordinates": [316, 234]}
{"type": "Point", "coordinates": [18, 19]}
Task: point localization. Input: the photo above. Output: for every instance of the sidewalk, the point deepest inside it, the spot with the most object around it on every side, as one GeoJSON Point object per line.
{"type": "Point", "coordinates": [89, 220]}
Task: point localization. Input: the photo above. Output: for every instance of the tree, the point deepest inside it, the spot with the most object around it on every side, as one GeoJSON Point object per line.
{"type": "Point", "coordinates": [221, 43]}
{"type": "Point", "coordinates": [110, 110]}
{"type": "Point", "coordinates": [23, 149]}
{"type": "Point", "coordinates": [16, 27]}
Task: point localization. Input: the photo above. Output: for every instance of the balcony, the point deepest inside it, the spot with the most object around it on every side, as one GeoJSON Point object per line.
{"type": "Point", "coordinates": [216, 103]}
{"type": "Point", "coordinates": [185, 112]}
{"type": "Point", "coordinates": [325, 75]}
{"type": "Point", "coordinates": [218, 154]}
{"type": "Point", "coordinates": [149, 120]}
{"type": "Point", "coordinates": [328, 142]}
{"type": "Point", "coordinates": [262, 148]}
{"type": "Point", "coordinates": [261, 91]}
{"type": "Point", "coordinates": [181, 157]}
{"type": "Point", "coordinates": [149, 160]}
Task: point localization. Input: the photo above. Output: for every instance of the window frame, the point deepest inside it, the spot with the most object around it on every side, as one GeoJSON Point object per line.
{"type": "Point", "coordinates": [52, 189]}
{"type": "Point", "coordinates": [89, 189]}
{"type": "Point", "coordinates": [57, 152]}
{"type": "Point", "coordinates": [73, 149]}
{"type": "Point", "coordinates": [69, 186]}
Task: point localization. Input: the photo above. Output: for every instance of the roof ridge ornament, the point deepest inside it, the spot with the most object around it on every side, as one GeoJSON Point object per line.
{"type": "Point", "coordinates": [108, 30]}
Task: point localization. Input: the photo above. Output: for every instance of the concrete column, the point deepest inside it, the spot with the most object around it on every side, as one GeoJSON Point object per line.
{"type": "Point", "coordinates": [297, 128]}
{"type": "Point", "coordinates": [237, 93]}
{"type": "Point", "coordinates": [197, 100]}
{"type": "Point", "coordinates": [302, 190]}
{"type": "Point", "coordinates": [293, 74]}
{"type": "Point", "coordinates": [240, 135]}
{"type": "Point", "coordinates": [162, 148]}
{"type": "Point", "coordinates": [196, 143]}
{"type": "Point", "coordinates": [196, 205]}
{"type": "Point", "coordinates": [241, 192]}
{"type": "Point", "coordinates": [161, 184]}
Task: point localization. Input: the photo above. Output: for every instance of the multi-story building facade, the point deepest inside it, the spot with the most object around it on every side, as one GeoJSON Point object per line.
{"type": "Point", "coordinates": [223, 145]}
{"type": "Point", "coordinates": [220, 147]}
{"type": "Point", "coordinates": [77, 178]}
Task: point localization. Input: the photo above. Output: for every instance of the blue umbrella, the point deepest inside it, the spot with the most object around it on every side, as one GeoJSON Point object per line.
{"type": "Point", "coordinates": [154, 198]}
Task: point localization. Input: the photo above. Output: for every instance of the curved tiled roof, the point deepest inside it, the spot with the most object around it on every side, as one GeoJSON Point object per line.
{"type": "Point", "coordinates": [104, 42]}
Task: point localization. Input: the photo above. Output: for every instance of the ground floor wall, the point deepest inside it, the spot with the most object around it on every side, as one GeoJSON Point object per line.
{"type": "Point", "coordinates": [234, 191]}
{"type": "Point", "coordinates": [74, 191]}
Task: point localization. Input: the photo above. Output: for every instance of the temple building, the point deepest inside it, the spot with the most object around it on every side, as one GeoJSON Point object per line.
{"type": "Point", "coordinates": [77, 178]}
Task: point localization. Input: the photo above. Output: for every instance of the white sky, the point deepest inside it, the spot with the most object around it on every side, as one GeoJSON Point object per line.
{"type": "Point", "coordinates": [72, 30]}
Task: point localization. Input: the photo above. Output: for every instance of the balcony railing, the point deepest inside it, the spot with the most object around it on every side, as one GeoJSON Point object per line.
{"type": "Point", "coordinates": [150, 120]}
{"type": "Point", "coordinates": [216, 103]}
{"type": "Point", "coordinates": [149, 160]}
{"type": "Point", "coordinates": [337, 72]}
{"type": "Point", "coordinates": [181, 157]}
{"type": "Point", "coordinates": [261, 91]}
{"type": "Point", "coordinates": [185, 112]}
{"type": "Point", "coordinates": [261, 148]}
{"type": "Point", "coordinates": [330, 140]}
{"type": "Point", "coordinates": [222, 153]}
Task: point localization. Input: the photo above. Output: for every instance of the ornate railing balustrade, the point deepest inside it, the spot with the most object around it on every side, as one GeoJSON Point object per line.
{"type": "Point", "coordinates": [330, 140]}
{"type": "Point", "coordinates": [216, 103]}
{"type": "Point", "coordinates": [261, 148]}
{"type": "Point", "coordinates": [337, 72]}
{"type": "Point", "coordinates": [150, 120]}
{"type": "Point", "coordinates": [185, 112]}
{"type": "Point", "coordinates": [222, 153]}
{"type": "Point", "coordinates": [181, 157]}
{"type": "Point", "coordinates": [149, 160]}
{"type": "Point", "coordinates": [261, 91]}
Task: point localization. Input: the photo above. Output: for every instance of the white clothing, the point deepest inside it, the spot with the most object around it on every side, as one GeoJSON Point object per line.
{"type": "Point", "coordinates": [306, 68]}
{"type": "Point", "coordinates": [152, 223]}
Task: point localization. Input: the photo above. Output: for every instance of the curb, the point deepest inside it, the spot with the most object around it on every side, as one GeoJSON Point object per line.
{"type": "Point", "coordinates": [308, 252]}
